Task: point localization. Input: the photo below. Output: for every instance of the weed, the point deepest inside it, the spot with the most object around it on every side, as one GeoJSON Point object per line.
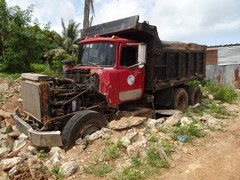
{"type": "Point", "coordinates": [112, 151]}
{"type": "Point", "coordinates": [11, 76]}
{"type": "Point", "coordinates": [8, 129]}
{"type": "Point", "coordinates": [136, 161]}
{"type": "Point", "coordinates": [42, 68]}
{"type": "Point", "coordinates": [163, 129]}
{"type": "Point", "coordinates": [155, 159]}
{"type": "Point", "coordinates": [193, 83]}
{"type": "Point", "coordinates": [219, 111]}
{"type": "Point", "coordinates": [130, 173]}
{"type": "Point", "coordinates": [189, 130]}
{"type": "Point", "coordinates": [224, 94]}
{"type": "Point", "coordinates": [56, 172]}
{"type": "Point", "coordinates": [1, 97]}
{"type": "Point", "coordinates": [42, 154]}
{"type": "Point", "coordinates": [168, 147]}
{"type": "Point", "coordinates": [98, 169]}
{"type": "Point", "coordinates": [153, 138]}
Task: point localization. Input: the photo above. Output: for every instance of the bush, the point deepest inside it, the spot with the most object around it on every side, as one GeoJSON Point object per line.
{"type": "Point", "coordinates": [224, 94]}
{"type": "Point", "coordinates": [42, 69]}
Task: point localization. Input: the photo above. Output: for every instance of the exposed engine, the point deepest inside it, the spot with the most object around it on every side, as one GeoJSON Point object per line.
{"type": "Point", "coordinates": [60, 98]}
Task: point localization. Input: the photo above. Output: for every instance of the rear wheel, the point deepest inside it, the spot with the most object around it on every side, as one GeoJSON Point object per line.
{"type": "Point", "coordinates": [80, 125]}
{"type": "Point", "coordinates": [194, 95]}
{"type": "Point", "coordinates": [180, 99]}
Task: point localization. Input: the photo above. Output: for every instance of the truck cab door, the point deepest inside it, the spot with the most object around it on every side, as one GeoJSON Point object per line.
{"type": "Point", "coordinates": [131, 76]}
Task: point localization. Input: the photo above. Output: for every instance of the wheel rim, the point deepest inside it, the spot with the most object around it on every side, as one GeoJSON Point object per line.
{"type": "Point", "coordinates": [197, 97]}
{"type": "Point", "coordinates": [182, 103]}
{"type": "Point", "coordinates": [88, 130]}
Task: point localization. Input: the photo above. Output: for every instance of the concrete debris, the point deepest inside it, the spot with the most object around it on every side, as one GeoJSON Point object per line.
{"type": "Point", "coordinates": [10, 162]}
{"type": "Point", "coordinates": [68, 168]}
{"type": "Point", "coordinates": [132, 135]}
{"type": "Point", "coordinates": [211, 97]}
{"type": "Point", "coordinates": [185, 121]}
{"type": "Point", "coordinates": [174, 119]}
{"type": "Point", "coordinates": [132, 151]}
{"type": "Point", "coordinates": [125, 141]}
{"type": "Point", "coordinates": [126, 122]}
{"type": "Point", "coordinates": [32, 150]}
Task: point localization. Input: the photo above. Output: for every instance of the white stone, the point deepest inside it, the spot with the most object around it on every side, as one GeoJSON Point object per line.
{"type": "Point", "coordinates": [5, 114]}
{"type": "Point", "coordinates": [126, 122]}
{"type": "Point", "coordinates": [211, 97]}
{"type": "Point", "coordinates": [22, 137]}
{"type": "Point", "coordinates": [3, 151]}
{"type": "Point", "coordinates": [54, 150]}
{"type": "Point", "coordinates": [32, 149]}
{"type": "Point", "coordinates": [132, 151]}
{"type": "Point", "coordinates": [69, 168]}
{"type": "Point", "coordinates": [13, 171]}
{"type": "Point", "coordinates": [185, 121]}
{"type": "Point", "coordinates": [20, 100]}
{"type": "Point", "coordinates": [18, 144]}
{"type": "Point", "coordinates": [174, 119]}
{"type": "Point", "coordinates": [125, 141]}
{"type": "Point", "coordinates": [132, 135]}
{"type": "Point", "coordinates": [10, 162]}
{"type": "Point", "coordinates": [96, 135]}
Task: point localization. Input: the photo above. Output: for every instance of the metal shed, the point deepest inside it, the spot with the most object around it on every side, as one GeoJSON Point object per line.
{"type": "Point", "coordinates": [223, 65]}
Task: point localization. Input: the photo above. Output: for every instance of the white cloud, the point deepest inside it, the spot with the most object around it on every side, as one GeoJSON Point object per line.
{"type": "Point", "coordinates": [207, 22]}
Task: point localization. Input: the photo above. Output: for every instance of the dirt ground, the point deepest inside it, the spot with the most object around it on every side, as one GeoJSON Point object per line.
{"type": "Point", "coordinates": [216, 158]}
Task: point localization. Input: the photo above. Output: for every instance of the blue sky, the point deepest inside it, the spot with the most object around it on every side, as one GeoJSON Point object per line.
{"type": "Point", "coordinates": [209, 22]}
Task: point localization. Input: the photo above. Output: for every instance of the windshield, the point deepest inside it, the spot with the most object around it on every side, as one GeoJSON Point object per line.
{"type": "Point", "coordinates": [101, 54]}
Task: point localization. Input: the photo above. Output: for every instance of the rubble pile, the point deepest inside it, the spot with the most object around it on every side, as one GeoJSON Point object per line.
{"type": "Point", "coordinates": [19, 159]}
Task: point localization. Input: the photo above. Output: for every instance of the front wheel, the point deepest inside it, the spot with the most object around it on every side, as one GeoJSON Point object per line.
{"type": "Point", "coordinates": [80, 125]}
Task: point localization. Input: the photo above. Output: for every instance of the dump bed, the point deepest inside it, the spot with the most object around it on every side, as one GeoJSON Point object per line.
{"type": "Point", "coordinates": [168, 63]}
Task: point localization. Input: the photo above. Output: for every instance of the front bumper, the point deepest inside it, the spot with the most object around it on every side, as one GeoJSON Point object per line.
{"type": "Point", "coordinates": [38, 138]}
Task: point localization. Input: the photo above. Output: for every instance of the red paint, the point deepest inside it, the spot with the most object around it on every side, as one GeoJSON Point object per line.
{"type": "Point", "coordinates": [114, 79]}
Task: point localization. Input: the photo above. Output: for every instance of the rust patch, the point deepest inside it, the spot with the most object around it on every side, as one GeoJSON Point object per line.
{"type": "Point", "coordinates": [219, 78]}
{"type": "Point", "coordinates": [237, 78]}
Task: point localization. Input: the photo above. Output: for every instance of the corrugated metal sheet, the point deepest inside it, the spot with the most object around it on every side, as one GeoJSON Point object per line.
{"type": "Point", "coordinates": [229, 55]}
{"type": "Point", "coordinates": [224, 75]}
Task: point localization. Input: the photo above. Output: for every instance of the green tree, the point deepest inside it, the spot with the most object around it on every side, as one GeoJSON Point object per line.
{"type": "Point", "coordinates": [88, 7]}
{"type": "Point", "coordinates": [22, 43]}
{"type": "Point", "coordinates": [3, 25]}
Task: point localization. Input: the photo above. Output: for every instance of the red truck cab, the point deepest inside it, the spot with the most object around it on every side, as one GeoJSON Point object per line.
{"type": "Point", "coordinates": [116, 61]}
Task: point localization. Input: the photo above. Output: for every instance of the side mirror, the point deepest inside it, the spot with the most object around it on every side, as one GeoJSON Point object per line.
{"type": "Point", "coordinates": [142, 51]}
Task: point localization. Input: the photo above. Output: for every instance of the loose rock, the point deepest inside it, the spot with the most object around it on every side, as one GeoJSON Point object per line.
{"type": "Point", "coordinates": [10, 162]}
{"type": "Point", "coordinates": [174, 119]}
{"type": "Point", "coordinates": [69, 168]}
{"type": "Point", "coordinates": [126, 122]}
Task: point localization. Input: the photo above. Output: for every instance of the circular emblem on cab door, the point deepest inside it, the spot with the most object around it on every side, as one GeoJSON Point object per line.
{"type": "Point", "coordinates": [130, 79]}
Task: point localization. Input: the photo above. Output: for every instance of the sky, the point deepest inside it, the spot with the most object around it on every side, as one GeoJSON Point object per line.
{"type": "Point", "coordinates": [208, 22]}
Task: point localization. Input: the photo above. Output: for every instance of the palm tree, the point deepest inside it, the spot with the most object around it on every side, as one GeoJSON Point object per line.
{"type": "Point", "coordinates": [88, 6]}
{"type": "Point", "coordinates": [70, 35]}
{"type": "Point", "coordinates": [71, 31]}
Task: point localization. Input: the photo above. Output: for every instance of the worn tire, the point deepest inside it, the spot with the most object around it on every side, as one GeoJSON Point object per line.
{"type": "Point", "coordinates": [180, 99]}
{"type": "Point", "coordinates": [81, 124]}
{"type": "Point", "coordinates": [194, 95]}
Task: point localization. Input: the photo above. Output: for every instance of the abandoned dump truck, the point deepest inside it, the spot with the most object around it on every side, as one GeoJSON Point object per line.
{"type": "Point", "coordinates": [122, 65]}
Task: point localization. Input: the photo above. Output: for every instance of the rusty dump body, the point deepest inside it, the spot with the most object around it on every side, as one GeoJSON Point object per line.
{"type": "Point", "coordinates": [50, 102]}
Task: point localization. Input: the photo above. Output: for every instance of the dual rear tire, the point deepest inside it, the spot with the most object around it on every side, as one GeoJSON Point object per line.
{"type": "Point", "coordinates": [182, 98]}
